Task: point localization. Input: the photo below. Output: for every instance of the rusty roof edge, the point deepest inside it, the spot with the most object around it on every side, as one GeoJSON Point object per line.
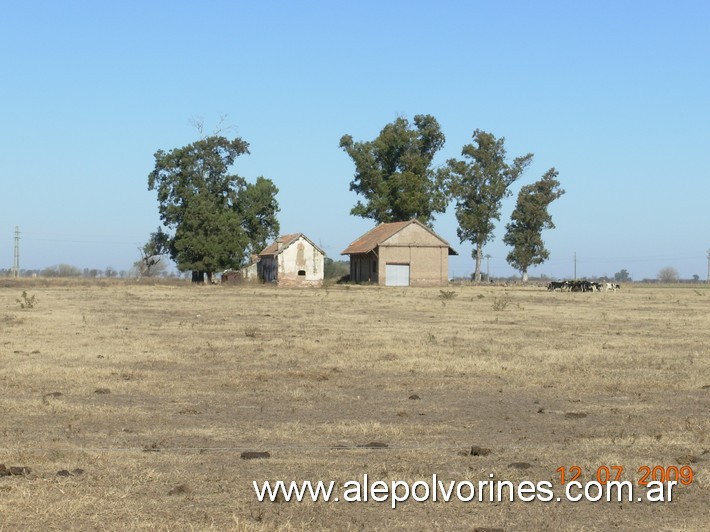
{"type": "Point", "coordinates": [377, 243]}
{"type": "Point", "coordinates": [346, 251]}
{"type": "Point", "coordinates": [424, 226]}
{"type": "Point", "coordinates": [286, 239]}
{"type": "Point", "coordinates": [292, 237]}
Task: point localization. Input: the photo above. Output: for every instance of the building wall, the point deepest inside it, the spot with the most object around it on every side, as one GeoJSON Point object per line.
{"type": "Point", "coordinates": [248, 274]}
{"type": "Point", "coordinates": [427, 256]}
{"type": "Point", "coordinates": [300, 264]}
{"type": "Point", "coordinates": [428, 266]}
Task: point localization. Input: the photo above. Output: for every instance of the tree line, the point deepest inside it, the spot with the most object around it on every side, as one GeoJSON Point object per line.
{"type": "Point", "coordinates": [332, 270]}
{"type": "Point", "coordinates": [397, 181]}
{"type": "Point", "coordinates": [213, 219]}
{"type": "Point", "coordinates": [69, 270]}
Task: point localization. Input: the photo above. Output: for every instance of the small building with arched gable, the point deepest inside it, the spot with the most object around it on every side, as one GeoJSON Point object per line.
{"type": "Point", "coordinates": [292, 260]}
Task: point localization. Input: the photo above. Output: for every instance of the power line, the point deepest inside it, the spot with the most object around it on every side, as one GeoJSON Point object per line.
{"type": "Point", "coordinates": [99, 240]}
{"type": "Point", "coordinates": [619, 259]}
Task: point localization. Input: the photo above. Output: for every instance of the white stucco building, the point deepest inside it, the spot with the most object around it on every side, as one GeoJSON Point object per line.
{"type": "Point", "coordinates": [293, 260]}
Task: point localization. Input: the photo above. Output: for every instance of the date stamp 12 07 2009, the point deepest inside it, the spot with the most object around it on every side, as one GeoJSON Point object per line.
{"type": "Point", "coordinates": [682, 475]}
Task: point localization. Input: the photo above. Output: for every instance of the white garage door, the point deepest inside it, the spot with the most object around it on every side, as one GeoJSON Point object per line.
{"type": "Point", "coordinates": [397, 274]}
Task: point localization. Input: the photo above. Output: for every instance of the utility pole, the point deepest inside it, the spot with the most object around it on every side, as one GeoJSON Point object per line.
{"type": "Point", "coordinates": [16, 254]}
{"type": "Point", "coordinates": [575, 265]}
{"type": "Point", "coordinates": [488, 269]}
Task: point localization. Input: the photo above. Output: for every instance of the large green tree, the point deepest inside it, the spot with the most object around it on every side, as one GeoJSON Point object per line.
{"type": "Point", "coordinates": [530, 217]}
{"type": "Point", "coordinates": [257, 207]}
{"type": "Point", "coordinates": [478, 184]}
{"type": "Point", "coordinates": [394, 173]}
{"type": "Point", "coordinates": [213, 218]}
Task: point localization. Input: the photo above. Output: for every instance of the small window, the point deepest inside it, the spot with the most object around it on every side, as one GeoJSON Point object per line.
{"type": "Point", "coordinates": [301, 273]}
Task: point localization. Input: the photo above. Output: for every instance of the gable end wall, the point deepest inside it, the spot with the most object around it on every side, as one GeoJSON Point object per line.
{"type": "Point", "coordinates": [301, 255]}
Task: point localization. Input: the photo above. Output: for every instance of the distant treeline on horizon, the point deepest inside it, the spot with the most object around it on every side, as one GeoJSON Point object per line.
{"type": "Point", "coordinates": [336, 269]}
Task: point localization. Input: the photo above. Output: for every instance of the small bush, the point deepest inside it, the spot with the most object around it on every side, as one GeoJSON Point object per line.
{"type": "Point", "coordinates": [501, 303]}
{"type": "Point", "coordinates": [27, 301]}
{"type": "Point", "coordinates": [447, 294]}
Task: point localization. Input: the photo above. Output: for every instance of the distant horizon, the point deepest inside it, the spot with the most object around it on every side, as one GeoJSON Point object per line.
{"type": "Point", "coordinates": [173, 272]}
{"type": "Point", "coordinates": [457, 268]}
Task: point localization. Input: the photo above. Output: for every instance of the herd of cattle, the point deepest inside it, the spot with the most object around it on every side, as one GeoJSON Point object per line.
{"type": "Point", "coordinates": [581, 286]}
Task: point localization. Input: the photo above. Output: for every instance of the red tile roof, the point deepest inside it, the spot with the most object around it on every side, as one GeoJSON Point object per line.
{"type": "Point", "coordinates": [374, 237]}
{"type": "Point", "coordinates": [286, 241]}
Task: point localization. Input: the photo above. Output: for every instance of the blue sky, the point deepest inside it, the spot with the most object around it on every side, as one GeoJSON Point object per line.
{"type": "Point", "coordinates": [615, 95]}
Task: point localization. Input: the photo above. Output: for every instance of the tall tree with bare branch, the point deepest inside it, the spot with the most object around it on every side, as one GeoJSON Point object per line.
{"type": "Point", "coordinates": [213, 217]}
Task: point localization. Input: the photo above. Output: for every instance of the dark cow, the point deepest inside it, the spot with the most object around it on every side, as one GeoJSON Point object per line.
{"type": "Point", "coordinates": [558, 286]}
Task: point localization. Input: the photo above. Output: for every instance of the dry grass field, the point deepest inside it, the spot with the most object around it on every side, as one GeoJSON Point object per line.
{"type": "Point", "coordinates": [131, 405]}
